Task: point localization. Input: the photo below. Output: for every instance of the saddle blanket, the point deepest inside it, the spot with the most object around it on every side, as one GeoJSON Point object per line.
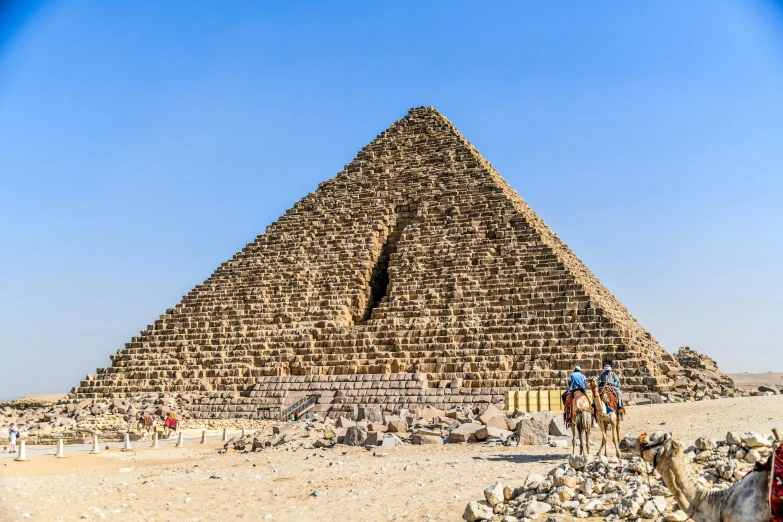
{"type": "Point", "coordinates": [567, 411]}
{"type": "Point", "coordinates": [776, 486]}
{"type": "Point", "coordinates": [610, 400]}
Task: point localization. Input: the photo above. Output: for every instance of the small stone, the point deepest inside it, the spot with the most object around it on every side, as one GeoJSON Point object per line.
{"type": "Point", "coordinates": [494, 494]}
{"type": "Point", "coordinates": [594, 505]}
{"type": "Point", "coordinates": [477, 510]}
{"type": "Point", "coordinates": [754, 440]}
{"type": "Point", "coordinates": [705, 444]}
{"type": "Point", "coordinates": [536, 508]}
{"type": "Point", "coordinates": [752, 456]}
{"type": "Point", "coordinates": [579, 461]}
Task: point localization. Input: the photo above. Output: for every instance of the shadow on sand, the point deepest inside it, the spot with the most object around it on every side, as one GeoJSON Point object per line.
{"type": "Point", "coordinates": [524, 459]}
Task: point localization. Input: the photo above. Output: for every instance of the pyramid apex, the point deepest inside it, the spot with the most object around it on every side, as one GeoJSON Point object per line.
{"type": "Point", "coordinates": [423, 110]}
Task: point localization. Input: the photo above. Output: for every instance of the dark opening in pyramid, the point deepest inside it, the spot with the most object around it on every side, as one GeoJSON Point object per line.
{"type": "Point", "coordinates": [416, 275]}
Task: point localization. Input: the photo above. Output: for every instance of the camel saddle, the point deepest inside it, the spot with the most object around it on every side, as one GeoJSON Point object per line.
{"type": "Point", "coordinates": [569, 400]}
{"type": "Point", "coordinates": [776, 485]}
{"type": "Point", "coordinates": [611, 400]}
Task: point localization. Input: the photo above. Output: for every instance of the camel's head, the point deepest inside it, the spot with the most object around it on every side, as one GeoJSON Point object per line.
{"type": "Point", "coordinates": [592, 383]}
{"type": "Point", "coordinates": [645, 446]}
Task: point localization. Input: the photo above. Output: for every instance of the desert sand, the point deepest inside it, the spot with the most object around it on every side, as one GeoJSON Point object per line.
{"type": "Point", "coordinates": [397, 483]}
{"type": "Point", "coordinates": [751, 381]}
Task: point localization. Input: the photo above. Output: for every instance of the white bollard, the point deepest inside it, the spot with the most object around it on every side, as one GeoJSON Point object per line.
{"type": "Point", "coordinates": [155, 440]}
{"type": "Point", "coordinates": [22, 452]}
{"type": "Point", "coordinates": [126, 443]}
{"type": "Point", "coordinates": [60, 449]}
{"type": "Point", "coordinates": [204, 436]}
{"type": "Point", "coordinates": [95, 449]}
{"type": "Point", "coordinates": [225, 434]}
{"type": "Point", "coordinates": [180, 440]}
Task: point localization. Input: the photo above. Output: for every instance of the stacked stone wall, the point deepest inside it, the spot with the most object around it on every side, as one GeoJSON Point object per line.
{"type": "Point", "coordinates": [476, 287]}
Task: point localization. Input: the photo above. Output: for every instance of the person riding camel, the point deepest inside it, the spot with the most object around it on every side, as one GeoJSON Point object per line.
{"type": "Point", "coordinates": [576, 381]}
{"type": "Point", "coordinates": [609, 378]}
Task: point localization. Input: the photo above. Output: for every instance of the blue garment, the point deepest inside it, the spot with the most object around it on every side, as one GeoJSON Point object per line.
{"type": "Point", "coordinates": [576, 380]}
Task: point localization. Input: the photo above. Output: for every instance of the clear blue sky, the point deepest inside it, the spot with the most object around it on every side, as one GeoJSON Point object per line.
{"type": "Point", "coordinates": [143, 143]}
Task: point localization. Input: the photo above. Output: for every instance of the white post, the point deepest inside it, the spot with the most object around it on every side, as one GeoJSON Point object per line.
{"type": "Point", "coordinates": [225, 434]}
{"type": "Point", "coordinates": [126, 443]}
{"type": "Point", "coordinates": [180, 440]}
{"type": "Point", "coordinates": [155, 440]}
{"type": "Point", "coordinates": [243, 432]}
{"type": "Point", "coordinates": [60, 449]}
{"type": "Point", "coordinates": [22, 455]}
{"type": "Point", "coordinates": [95, 449]}
{"type": "Point", "coordinates": [204, 436]}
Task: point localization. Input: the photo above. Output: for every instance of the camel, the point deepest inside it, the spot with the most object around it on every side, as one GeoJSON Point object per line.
{"type": "Point", "coordinates": [581, 418]}
{"type": "Point", "coordinates": [149, 425]}
{"type": "Point", "coordinates": [611, 420]}
{"type": "Point", "coordinates": [745, 501]}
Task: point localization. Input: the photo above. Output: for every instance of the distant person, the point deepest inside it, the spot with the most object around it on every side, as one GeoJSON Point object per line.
{"type": "Point", "coordinates": [609, 378]}
{"type": "Point", "coordinates": [296, 415]}
{"type": "Point", "coordinates": [13, 434]}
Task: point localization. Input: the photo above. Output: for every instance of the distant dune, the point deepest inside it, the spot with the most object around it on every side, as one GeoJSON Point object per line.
{"type": "Point", "coordinates": [748, 381]}
{"type": "Point", "coordinates": [53, 397]}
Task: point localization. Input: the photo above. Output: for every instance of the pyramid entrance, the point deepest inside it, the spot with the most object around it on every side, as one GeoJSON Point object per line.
{"type": "Point", "coordinates": [415, 276]}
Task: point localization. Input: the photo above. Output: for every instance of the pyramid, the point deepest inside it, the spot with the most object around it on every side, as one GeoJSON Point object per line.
{"type": "Point", "coordinates": [417, 275]}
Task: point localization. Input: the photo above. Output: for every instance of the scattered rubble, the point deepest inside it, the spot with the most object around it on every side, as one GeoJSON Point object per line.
{"type": "Point", "coordinates": [617, 488]}
{"type": "Point", "coordinates": [43, 422]}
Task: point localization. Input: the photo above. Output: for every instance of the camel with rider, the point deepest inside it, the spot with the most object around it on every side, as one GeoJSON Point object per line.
{"type": "Point", "coordinates": [605, 416]}
{"type": "Point", "coordinates": [578, 413]}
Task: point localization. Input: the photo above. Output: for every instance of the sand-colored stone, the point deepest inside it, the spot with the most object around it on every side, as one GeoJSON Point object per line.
{"type": "Point", "coordinates": [416, 276]}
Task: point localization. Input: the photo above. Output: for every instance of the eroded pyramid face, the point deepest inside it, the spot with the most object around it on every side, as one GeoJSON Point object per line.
{"type": "Point", "coordinates": [416, 266]}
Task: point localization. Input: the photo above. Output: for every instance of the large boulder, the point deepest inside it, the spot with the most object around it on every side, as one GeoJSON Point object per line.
{"type": "Point", "coordinates": [369, 413]}
{"type": "Point", "coordinates": [769, 388]}
{"type": "Point", "coordinates": [486, 432]}
{"type": "Point", "coordinates": [421, 439]}
{"type": "Point", "coordinates": [355, 436]}
{"type": "Point", "coordinates": [489, 413]}
{"type": "Point", "coordinates": [465, 432]}
{"type": "Point", "coordinates": [557, 427]}
{"type": "Point", "coordinates": [343, 422]}
{"type": "Point", "coordinates": [397, 426]}
{"type": "Point", "coordinates": [430, 413]}
{"type": "Point", "coordinates": [534, 430]}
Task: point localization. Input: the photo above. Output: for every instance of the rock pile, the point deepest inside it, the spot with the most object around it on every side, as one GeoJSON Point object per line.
{"type": "Point", "coordinates": [617, 488]}
{"type": "Point", "coordinates": [701, 368]}
{"type": "Point", "coordinates": [42, 422]}
{"type": "Point", "coordinates": [427, 426]}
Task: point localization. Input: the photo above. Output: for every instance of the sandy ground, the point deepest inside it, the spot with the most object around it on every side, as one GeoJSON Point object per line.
{"type": "Point", "coordinates": [399, 483]}
{"type": "Point", "coordinates": [751, 381]}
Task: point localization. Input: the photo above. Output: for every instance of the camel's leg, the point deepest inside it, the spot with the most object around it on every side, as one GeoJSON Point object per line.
{"type": "Point", "coordinates": [616, 434]}
{"type": "Point", "coordinates": [587, 434]}
{"type": "Point", "coordinates": [602, 427]}
{"type": "Point", "coordinates": [573, 437]}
